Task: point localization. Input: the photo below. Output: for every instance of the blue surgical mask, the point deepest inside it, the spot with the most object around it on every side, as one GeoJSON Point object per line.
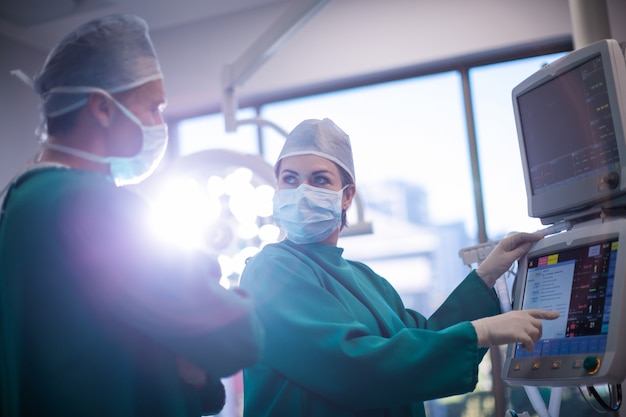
{"type": "Point", "coordinates": [308, 214]}
{"type": "Point", "coordinates": [124, 170]}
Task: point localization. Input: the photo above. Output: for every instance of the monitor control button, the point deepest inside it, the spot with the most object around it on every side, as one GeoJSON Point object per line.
{"type": "Point", "coordinates": [591, 364]}
{"type": "Point", "coordinates": [612, 180]}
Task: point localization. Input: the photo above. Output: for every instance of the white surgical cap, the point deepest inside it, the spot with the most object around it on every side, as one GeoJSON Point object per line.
{"type": "Point", "coordinates": [319, 137]}
{"type": "Point", "coordinates": [114, 53]}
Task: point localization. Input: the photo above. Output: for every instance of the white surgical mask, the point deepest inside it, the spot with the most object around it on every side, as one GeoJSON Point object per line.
{"type": "Point", "coordinates": [308, 214]}
{"type": "Point", "coordinates": [124, 170]}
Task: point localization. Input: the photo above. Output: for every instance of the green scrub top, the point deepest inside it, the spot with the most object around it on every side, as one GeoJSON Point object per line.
{"type": "Point", "coordinates": [94, 311]}
{"type": "Point", "coordinates": [339, 341]}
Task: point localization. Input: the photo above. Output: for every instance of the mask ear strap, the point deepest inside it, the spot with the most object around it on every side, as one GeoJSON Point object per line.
{"type": "Point", "coordinates": [74, 89]}
{"type": "Point", "coordinates": [343, 190]}
{"type": "Point", "coordinates": [23, 77]}
{"type": "Point", "coordinates": [77, 152]}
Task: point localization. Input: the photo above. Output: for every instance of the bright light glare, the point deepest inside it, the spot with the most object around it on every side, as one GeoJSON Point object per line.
{"type": "Point", "coordinates": [242, 203]}
{"type": "Point", "coordinates": [236, 179]}
{"type": "Point", "coordinates": [215, 186]}
{"type": "Point", "coordinates": [218, 214]}
{"type": "Point", "coordinates": [226, 264]}
{"type": "Point", "coordinates": [269, 233]}
{"type": "Point", "coordinates": [264, 195]}
{"type": "Point", "coordinates": [239, 260]}
{"type": "Point", "coordinates": [248, 230]}
{"type": "Point", "coordinates": [182, 211]}
{"type": "Point", "coordinates": [224, 282]}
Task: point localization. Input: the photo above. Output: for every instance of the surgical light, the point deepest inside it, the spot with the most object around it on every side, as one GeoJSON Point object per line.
{"type": "Point", "coordinates": [181, 211]}
{"type": "Point", "coordinates": [218, 201]}
{"type": "Point", "coordinates": [215, 185]}
{"type": "Point", "coordinates": [269, 233]}
{"type": "Point", "coordinates": [264, 195]}
{"type": "Point", "coordinates": [248, 230]}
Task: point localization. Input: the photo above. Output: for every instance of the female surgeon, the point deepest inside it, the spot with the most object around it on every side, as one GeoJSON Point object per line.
{"type": "Point", "coordinates": [339, 341]}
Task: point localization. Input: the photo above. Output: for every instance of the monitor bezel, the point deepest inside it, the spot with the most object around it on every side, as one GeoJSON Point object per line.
{"type": "Point", "coordinates": [583, 193]}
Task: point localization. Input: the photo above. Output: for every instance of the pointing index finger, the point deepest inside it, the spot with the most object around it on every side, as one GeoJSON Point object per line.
{"type": "Point", "coordinates": [544, 314]}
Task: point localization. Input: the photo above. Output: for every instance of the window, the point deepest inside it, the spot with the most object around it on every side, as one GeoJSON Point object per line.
{"type": "Point", "coordinates": [502, 178]}
{"type": "Point", "coordinates": [207, 132]}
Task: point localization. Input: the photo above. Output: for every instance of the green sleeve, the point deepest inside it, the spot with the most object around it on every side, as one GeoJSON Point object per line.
{"type": "Point", "coordinates": [471, 300]}
{"type": "Point", "coordinates": [315, 343]}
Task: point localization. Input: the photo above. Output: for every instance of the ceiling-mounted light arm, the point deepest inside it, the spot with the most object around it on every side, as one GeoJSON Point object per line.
{"type": "Point", "coordinates": [235, 74]}
{"type": "Point", "coordinates": [261, 122]}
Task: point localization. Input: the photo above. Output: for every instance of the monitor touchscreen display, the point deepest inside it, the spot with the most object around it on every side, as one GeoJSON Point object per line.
{"type": "Point", "coordinates": [578, 283]}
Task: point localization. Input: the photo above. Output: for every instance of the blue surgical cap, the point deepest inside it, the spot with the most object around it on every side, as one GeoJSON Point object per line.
{"type": "Point", "coordinates": [114, 53]}
{"type": "Point", "coordinates": [319, 137]}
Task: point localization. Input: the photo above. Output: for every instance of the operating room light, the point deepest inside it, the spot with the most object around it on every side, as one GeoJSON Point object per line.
{"type": "Point", "coordinates": [248, 230]}
{"type": "Point", "coordinates": [182, 210]}
{"type": "Point", "coordinates": [269, 233]}
{"type": "Point", "coordinates": [221, 202]}
{"type": "Point", "coordinates": [264, 195]}
{"type": "Point", "coordinates": [217, 201]}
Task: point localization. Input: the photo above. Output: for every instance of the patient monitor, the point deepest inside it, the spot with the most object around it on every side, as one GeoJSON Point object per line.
{"type": "Point", "coordinates": [579, 273]}
{"type": "Point", "coordinates": [571, 125]}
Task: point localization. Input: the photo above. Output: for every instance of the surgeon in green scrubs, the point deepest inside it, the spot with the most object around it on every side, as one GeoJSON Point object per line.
{"type": "Point", "coordinates": [339, 341]}
{"type": "Point", "coordinates": [97, 317]}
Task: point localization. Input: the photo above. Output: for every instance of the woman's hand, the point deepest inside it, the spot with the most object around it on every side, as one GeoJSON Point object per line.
{"type": "Point", "coordinates": [508, 250]}
{"type": "Point", "coordinates": [520, 326]}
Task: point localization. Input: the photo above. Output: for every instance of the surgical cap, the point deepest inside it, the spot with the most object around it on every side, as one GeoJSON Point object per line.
{"type": "Point", "coordinates": [319, 137]}
{"type": "Point", "coordinates": [114, 53]}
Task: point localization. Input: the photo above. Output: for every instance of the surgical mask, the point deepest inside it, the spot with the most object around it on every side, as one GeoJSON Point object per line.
{"type": "Point", "coordinates": [308, 214]}
{"type": "Point", "coordinates": [124, 170]}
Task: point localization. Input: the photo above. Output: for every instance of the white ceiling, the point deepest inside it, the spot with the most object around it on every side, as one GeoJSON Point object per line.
{"type": "Point", "coordinates": [197, 40]}
{"type": "Point", "coordinates": [42, 23]}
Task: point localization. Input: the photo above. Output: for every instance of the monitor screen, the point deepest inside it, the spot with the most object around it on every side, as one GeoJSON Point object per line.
{"type": "Point", "coordinates": [570, 117]}
{"type": "Point", "coordinates": [578, 273]}
{"type": "Point", "coordinates": [577, 283]}
{"type": "Point", "coordinates": [546, 113]}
